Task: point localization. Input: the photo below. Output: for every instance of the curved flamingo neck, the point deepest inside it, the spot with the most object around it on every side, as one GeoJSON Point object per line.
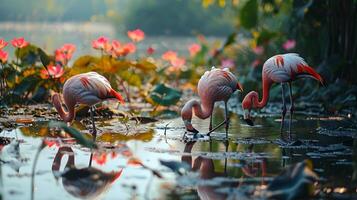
{"type": "Point", "coordinates": [266, 87]}
{"type": "Point", "coordinates": [202, 110]}
{"type": "Point", "coordinates": [66, 116]}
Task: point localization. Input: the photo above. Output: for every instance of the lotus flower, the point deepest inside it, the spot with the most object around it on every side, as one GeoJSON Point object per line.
{"type": "Point", "coordinates": [53, 71]}
{"type": "Point", "coordinates": [169, 55]}
{"type": "Point", "coordinates": [3, 43]}
{"type": "Point", "coordinates": [116, 44]}
{"type": "Point", "coordinates": [150, 50]}
{"type": "Point", "coordinates": [289, 44]}
{"type": "Point", "coordinates": [136, 35]}
{"type": "Point", "coordinates": [99, 43]}
{"type": "Point", "coordinates": [60, 57]}
{"type": "Point", "coordinates": [65, 53]}
{"type": "Point", "coordinates": [259, 50]}
{"type": "Point", "coordinates": [227, 63]}
{"type": "Point", "coordinates": [19, 42]}
{"type": "Point", "coordinates": [177, 63]}
{"type": "Point", "coordinates": [68, 49]}
{"type": "Point", "coordinates": [3, 56]}
{"type": "Point", "coordinates": [124, 50]}
{"type": "Point", "coordinates": [194, 49]}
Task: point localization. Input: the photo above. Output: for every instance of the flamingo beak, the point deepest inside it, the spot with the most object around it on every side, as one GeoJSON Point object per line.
{"type": "Point", "coordinates": [239, 87]}
{"type": "Point", "coordinates": [248, 118]}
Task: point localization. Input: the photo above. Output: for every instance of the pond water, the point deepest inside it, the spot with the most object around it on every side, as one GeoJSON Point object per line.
{"type": "Point", "coordinates": [253, 158]}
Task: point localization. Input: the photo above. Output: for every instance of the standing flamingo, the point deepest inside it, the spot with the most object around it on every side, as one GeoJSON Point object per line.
{"type": "Point", "coordinates": [214, 85]}
{"type": "Point", "coordinates": [87, 88]}
{"type": "Point", "coordinates": [281, 69]}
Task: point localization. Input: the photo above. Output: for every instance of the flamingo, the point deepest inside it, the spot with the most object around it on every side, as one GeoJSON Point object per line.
{"type": "Point", "coordinates": [281, 69]}
{"type": "Point", "coordinates": [87, 88]}
{"type": "Point", "coordinates": [215, 85]}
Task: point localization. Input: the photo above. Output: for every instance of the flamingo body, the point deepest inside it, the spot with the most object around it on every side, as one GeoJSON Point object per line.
{"type": "Point", "coordinates": [282, 69]}
{"type": "Point", "coordinates": [87, 88]}
{"type": "Point", "coordinates": [288, 67]}
{"type": "Point", "coordinates": [214, 85]}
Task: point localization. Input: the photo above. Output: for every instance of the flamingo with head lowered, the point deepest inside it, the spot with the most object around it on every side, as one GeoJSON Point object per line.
{"type": "Point", "coordinates": [87, 88]}
{"type": "Point", "coordinates": [281, 69]}
{"type": "Point", "coordinates": [215, 85]}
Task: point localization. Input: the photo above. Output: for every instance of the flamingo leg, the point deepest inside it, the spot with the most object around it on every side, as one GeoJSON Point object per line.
{"type": "Point", "coordinates": [283, 111]}
{"type": "Point", "coordinates": [291, 108]}
{"type": "Point", "coordinates": [226, 122]}
{"type": "Point", "coordinates": [94, 131]}
{"type": "Point", "coordinates": [210, 122]}
{"type": "Point", "coordinates": [226, 116]}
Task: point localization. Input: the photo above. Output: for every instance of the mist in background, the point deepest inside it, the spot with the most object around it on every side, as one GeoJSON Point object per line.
{"type": "Point", "coordinates": [155, 17]}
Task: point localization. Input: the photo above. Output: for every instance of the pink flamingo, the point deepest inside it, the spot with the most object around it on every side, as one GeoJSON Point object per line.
{"type": "Point", "coordinates": [214, 85]}
{"type": "Point", "coordinates": [87, 88]}
{"type": "Point", "coordinates": [281, 69]}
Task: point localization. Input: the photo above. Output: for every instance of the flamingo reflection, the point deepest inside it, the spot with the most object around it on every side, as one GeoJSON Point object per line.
{"type": "Point", "coordinates": [87, 182]}
{"type": "Point", "coordinates": [207, 171]}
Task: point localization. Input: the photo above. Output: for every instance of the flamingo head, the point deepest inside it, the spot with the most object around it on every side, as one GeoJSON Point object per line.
{"type": "Point", "coordinates": [247, 105]}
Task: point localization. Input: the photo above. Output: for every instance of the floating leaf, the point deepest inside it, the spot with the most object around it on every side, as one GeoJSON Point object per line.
{"type": "Point", "coordinates": [74, 133]}
{"type": "Point", "coordinates": [24, 120]}
{"type": "Point", "coordinates": [164, 95]}
{"type": "Point", "coordinates": [249, 14]}
{"type": "Point", "coordinates": [114, 137]}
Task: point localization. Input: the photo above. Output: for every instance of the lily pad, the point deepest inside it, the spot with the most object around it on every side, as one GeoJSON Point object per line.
{"type": "Point", "coordinates": [164, 95]}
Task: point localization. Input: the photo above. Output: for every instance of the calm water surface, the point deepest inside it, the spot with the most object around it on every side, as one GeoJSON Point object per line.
{"type": "Point", "coordinates": [253, 158]}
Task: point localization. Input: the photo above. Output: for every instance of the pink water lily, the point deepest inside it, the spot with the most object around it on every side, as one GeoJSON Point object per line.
{"type": "Point", "coordinates": [55, 71]}
{"type": "Point", "coordinates": [19, 42]}
{"type": "Point", "coordinates": [65, 53]}
{"type": "Point", "coordinates": [177, 63]}
{"type": "Point", "coordinates": [123, 50]}
{"type": "Point", "coordinates": [136, 35]}
{"type": "Point", "coordinates": [3, 56]}
{"type": "Point", "coordinates": [150, 50]}
{"type": "Point", "coordinates": [108, 48]}
{"type": "Point", "coordinates": [169, 55]}
{"type": "Point", "coordinates": [194, 49]}
{"type": "Point", "coordinates": [68, 48]}
{"type": "Point", "coordinates": [259, 50]}
{"type": "Point", "coordinates": [100, 43]}
{"type": "Point", "coordinates": [289, 44]}
{"type": "Point", "coordinates": [60, 57]}
{"type": "Point", "coordinates": [227, 63]}
{"type": "Point", "coordinates": [116, 44]}
{"type": "Point", "coordinates": [3, 43]}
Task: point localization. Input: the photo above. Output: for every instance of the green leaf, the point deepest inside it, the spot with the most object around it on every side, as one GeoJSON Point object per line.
{"type": "Point", "coordinates": [74, 133]}
{"type": "Point", "coordinates": [249, 14]}
{"type": "Point", "coordinates": [28, 55]}
{"type": "Point", "coordinates": [131, 78]}
{"type": "Point", "coordinates": [145, 65]}
{"type": "Point", "coordinates": [45, 59]}
{"type": "Point", "coordinates": [84, 61]}
{"type": "Point", "coordinates": [265, 36]}
{"type": "Point", "coordinates": [230, 39]}
{"type": "Point", "coordinates": [164, 95]}
{"type": "Point", "coordinates": [26, 84]}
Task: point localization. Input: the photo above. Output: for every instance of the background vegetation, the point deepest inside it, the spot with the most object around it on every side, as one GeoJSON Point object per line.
{"type": "Point", "coordinates": [323, 32]}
